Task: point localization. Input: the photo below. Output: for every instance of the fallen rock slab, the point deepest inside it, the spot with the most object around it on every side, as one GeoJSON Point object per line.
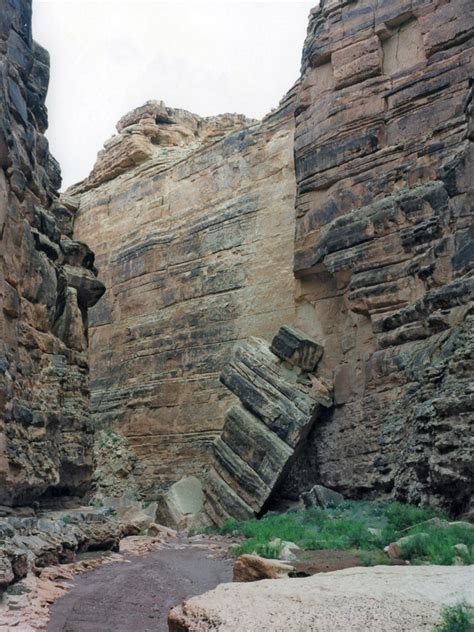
{"type": "Point", "coordinates": [377, 599]}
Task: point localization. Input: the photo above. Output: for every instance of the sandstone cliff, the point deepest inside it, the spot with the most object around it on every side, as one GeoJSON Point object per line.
{"type": "Point", "coordinates": [362, 241]}
{"type": "Point", "coordinates": [195, 246]}
{"type": "Point", "coordinates": [47, 283]}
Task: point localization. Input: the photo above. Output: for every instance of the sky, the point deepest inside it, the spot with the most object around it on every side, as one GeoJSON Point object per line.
{"type": "Point", "coordinates": [110, 56]}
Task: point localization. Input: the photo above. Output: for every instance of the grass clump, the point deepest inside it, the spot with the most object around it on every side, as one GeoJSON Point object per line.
{"type": "Point", "coordinates": [401, 517]}
{"type": "Point", "coordinates": [437, 545]}
{"type": "Point", "coordinates": [363, 527]}
{"type": "Point", "coordinates": [458, 618]}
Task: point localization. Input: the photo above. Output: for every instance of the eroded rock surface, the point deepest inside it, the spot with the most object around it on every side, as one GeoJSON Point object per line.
{"type": "Point", "coordinates": [383, 251]}
{"type": "Point", "coordinates": [183, 242]}
{"type": "Point", "coordinates": [280, 402]}
{"type": "Point", "coordinates": [194, 231]}
{"type": "Point", "coordinates": [47, 283]}
{"type": "Point", "coordinates": [373, 599]}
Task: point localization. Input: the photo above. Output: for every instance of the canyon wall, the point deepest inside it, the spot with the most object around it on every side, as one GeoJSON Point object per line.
{"type": "Point", "coordinates": [383, 250]}
{"type": "Point", "coordinates": [47, 283]}
{"type": "Point", "coordinates": [192, 221]}
{"type": "Point", "coordinates": [346, 212]}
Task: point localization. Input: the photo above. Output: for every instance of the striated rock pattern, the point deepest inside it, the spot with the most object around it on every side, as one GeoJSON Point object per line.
{"type": "Point", "coordinates": [383, 251]}
{"type": "Point", "coordinates": [195, 246]}
{"type": "Point", "coordinates": [202, 243]}
{"type": "Point", "coordinates": [156, 132]}
{"type": "Point", "coordinates": [47, 283]}
{"type": "Point", "coordinates": [279, 403]}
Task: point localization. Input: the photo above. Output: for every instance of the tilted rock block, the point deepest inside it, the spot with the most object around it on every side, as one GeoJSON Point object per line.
{"type": "Point", "coordinates": [271, 391]}
{"type": "Point", "coordinates": [263, 433]}
{"type": "Point", "coordinates": [293, 345]}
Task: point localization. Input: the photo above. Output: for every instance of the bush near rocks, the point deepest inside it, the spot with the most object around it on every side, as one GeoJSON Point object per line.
{"type": "Point", "coordinates": [459, 618]}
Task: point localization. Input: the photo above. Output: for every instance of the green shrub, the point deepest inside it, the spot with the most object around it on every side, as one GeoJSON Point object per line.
{"type": "Point", "coordinates": [459, 618]}
{"type": "Point", "coordinates": [401, 517]}
{"type": "Point", "coordinates": [436, 544]}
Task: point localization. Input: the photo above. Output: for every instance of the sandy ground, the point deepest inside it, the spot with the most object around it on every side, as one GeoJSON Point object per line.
{"type": "Point", "coordinates": [137, 596]}
{"type": "Point", "coordinates": [126, 591]}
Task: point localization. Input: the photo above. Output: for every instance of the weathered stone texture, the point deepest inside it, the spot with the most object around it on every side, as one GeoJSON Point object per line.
{"type": "Point", "coordinates": [279, 404]}
{"type": "Point", "coordinates": [383, 153]}
{"type": "Point", "coordinates": [47, 283]}
{"type": "Point", "coordinates": [371, 599]}
{"type": "Point", "coordinates": [194, 220]}
{"type": "Point", "coordinates": [195, 247]}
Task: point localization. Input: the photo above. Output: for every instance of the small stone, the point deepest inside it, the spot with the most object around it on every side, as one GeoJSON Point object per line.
{"type": "Point", "coordinates": [252, 568]}
{"type": "Point", "coordinates": [323, 497]}
{"type": "Point", "coordinates": [462, 550]}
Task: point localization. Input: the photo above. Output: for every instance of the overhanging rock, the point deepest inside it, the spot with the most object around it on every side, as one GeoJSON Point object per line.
{"type": "Point", "coordinates": [280, 400]}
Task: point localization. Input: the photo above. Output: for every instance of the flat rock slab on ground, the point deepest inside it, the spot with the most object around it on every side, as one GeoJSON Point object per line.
{"type": "Point", "coordinates": [377, 599]}
{"type": "Point", "coordinates": [137, 596]}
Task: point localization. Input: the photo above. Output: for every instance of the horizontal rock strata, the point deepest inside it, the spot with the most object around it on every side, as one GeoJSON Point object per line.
{"type": "Point", "coordinates": [202, 243]}
{"type": "Point", "coordinates": [383, 250]}
{"type": "Point", "coordinates": [32, 542]}
{"type": "Point", "coordinates": [47, 283]}
{"type": "Point", "coordinates": [183, 242]}
{"type": "Point", "coordinates": [278, 406]}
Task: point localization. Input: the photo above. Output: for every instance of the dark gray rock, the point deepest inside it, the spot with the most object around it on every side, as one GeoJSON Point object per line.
{"type": "Point", "coordinates": [323, 497]}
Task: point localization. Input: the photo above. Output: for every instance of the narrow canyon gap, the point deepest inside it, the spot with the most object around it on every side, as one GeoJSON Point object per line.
{"type": "Point", "coordinates": [345, 212]}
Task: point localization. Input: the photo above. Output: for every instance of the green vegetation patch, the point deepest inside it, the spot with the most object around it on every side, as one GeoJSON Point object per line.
{"type": "Point", "coordinates": [364, 527]}
{"type": "Point", "coordinates": [459, 618]}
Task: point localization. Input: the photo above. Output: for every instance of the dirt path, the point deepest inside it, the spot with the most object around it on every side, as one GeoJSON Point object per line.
{"type": "Point", "coordinates": [136, 596]}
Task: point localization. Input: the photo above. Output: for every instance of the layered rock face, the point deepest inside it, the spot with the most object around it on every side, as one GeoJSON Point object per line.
{"type": "Point", "coordinates": [383, 251]}
{"type": "Point", "coordinates": [47, 284]}
{"type": "Point", "coordinates": [280, 401]}
{"type": "Point", "coordinates": [195, 245]}
{"type": "Point", "coordinates": [202, 243]}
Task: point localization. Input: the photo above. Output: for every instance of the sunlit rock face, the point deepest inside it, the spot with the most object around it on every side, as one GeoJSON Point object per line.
{"type": "Point", "coordinates": [383, 251]}
{"type": "Point", "coordinates": [194, 242]}
{"type": "Point", "coordinates": [47, 283]}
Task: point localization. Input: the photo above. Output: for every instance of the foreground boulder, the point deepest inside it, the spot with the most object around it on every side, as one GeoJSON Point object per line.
{"type": "Point", "coordinates": [370, 599]}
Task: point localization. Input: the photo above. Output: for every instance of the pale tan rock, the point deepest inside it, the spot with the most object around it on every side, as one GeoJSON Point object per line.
{"type": "Point", "coordinates": [388, 599]}
{"type": "Point", "coordinates": [205, 222]}
{"type": "Point", "coordinates": [160, 530]}
{"type": "Point", "coordinates": [252, 568]}
{"type": "Point", "coordinates": [134, 516]}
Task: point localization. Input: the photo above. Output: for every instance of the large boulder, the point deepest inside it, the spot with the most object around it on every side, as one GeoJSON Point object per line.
{"type": "Point", "coordinates": [369, 599]}
{"type": "Point", "coordinates": [183, 504]}
{"type": "Point", "coordinates": [280, 401]}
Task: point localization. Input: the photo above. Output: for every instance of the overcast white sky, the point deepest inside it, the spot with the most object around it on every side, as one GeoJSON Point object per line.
{"type": "Point", "coordinates": [109, 56]}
